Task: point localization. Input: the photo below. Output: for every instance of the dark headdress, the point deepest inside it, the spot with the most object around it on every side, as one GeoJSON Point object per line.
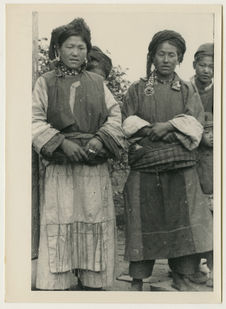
{"type": "Point", "coordinates": [75, 27]}
{"type": "Point", "coordinates": [206, 49]}
{"type": "Point", "coordinates": [166, 35]}
{"type": "Point", "coordinates": [104, 62]}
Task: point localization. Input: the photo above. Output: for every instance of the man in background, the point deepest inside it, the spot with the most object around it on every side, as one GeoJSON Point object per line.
{"type": "Point", "coordinates": [203, 81]}
{"type": "Point", "coordinates": [99, 63]}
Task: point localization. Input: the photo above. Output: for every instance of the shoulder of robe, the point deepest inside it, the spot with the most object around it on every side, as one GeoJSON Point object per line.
{"type": "Point", "coordinates": [93, 76]}
{"type": "Point", "coordinates": [189, 86]}
{"type": "Point", "coordinates": [49, 74]}
{"type": "Point", "coordinates": [137, 83]}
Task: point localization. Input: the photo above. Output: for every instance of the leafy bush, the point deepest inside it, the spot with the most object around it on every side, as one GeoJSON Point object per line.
{"type": "Point", "coordinates": [43, 56]}
{"type": "Point", "coordinates": [117, 83]}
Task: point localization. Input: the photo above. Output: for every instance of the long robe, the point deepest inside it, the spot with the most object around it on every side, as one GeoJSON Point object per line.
{"type": "Point", "coordinates": [77, 226]}
{"type": "Point", "coordinates": [166, 213]}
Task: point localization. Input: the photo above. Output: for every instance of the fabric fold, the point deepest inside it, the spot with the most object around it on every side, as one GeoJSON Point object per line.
{"type": "Point", "coordinates": [78, 245]}
{"type": "Point", "coordinates": [190, 128]}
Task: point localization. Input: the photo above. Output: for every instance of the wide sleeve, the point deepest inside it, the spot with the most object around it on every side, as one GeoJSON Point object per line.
{"type": "Point", "coordinates": [188, 130]}
{"type": "Point", "coordinates": [43, 134]}
{"type": "Point", "coordinates": [130, 101]}
{"type": "Point", "coordinates": [131, 122]}
{"type": "Point", "coordinates": [111, 131]}
{"type": "Point", "coordinates": [189, 126]}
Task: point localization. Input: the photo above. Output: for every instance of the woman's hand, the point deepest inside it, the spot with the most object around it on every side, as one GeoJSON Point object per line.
{"type": "Point", "coordinates": [169, 137]}
{"type": "Point", "coordinates": [159, 130]}
{"type": "Point", "coordinates": [145, 131]}
{"type": "Point", "coordinates": [74, 152]}
{"type": "Point", "coordinates": [94, 146]}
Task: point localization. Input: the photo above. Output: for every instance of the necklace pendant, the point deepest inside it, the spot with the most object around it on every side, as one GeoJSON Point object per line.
{"type": "Point", "coordinates": [149, 90]}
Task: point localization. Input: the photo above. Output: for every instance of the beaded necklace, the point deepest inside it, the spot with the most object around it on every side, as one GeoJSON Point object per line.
{"type": "Point", "coordinates": [62, 70]}
{"type": "Point", "coordinates": [154, 79]}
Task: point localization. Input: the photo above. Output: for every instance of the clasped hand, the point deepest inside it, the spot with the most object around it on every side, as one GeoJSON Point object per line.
{"type": "Point", "coordinates": [93, 147]}
{"type": "Point", "coordinates": [76, 153]}
{"type": "Point", "coordinates": [160, 130]}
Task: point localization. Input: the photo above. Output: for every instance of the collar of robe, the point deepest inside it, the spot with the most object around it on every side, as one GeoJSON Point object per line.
{"type": "Point", "coordinates": [62, 70]}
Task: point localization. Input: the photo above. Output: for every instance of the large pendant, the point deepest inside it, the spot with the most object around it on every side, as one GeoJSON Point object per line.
{"type": "Point", "coordinates": [149, 90]}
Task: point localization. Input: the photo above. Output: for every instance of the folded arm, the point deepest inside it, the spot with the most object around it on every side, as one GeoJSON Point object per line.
{"type": "Point", "coordinates": [186, 128]}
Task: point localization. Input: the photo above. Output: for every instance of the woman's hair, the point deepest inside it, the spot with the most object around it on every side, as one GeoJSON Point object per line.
{"type": "Point", "coordinates": [67, 34]}
{"type": "Point", "coordinates": [170, 36]}
{"type": "Point", "coordinates": [77, 27]}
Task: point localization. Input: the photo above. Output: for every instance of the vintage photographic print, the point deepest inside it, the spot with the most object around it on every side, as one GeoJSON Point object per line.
{"type": "Point", "coordinates": [123, 121]}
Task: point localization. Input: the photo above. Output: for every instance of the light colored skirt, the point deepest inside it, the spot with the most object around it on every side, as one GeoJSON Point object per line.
{"type": "Point", "coordinates": [77, 229]}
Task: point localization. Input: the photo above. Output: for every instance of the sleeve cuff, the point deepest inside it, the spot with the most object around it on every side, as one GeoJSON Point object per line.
{"type": "Point", "coordinates": [52, 145]}
{"type": "Point", "coordinates": [132, 124]}
{"type": "Point", "coordinates": [109, 143]}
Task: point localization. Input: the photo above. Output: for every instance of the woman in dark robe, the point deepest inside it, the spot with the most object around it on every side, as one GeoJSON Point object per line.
{"type": "Point", "coordinates": [166, 213]}
{"type": "Point", "coordinates": [76, 128]}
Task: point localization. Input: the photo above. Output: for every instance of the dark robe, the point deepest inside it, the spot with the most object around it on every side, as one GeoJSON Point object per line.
{"type": "Point", "coordinates": [166, 213]}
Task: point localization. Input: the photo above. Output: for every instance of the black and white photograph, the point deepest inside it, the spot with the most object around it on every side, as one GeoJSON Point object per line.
{"type": "Point", "coordinates": [123, 150]}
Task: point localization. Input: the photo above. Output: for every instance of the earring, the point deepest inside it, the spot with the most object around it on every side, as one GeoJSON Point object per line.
{"type": "Point", "coordinates": [83, 67]}
{"type": "Point", "coordinates": [57, 57]}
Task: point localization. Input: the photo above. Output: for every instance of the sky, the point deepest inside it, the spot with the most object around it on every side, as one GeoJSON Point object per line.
{"type": "Point", "coordinates": [126, 34]}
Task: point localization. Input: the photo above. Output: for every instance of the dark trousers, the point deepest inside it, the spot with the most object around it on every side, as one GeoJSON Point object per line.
{"type": "Point", "coordinates": [184, 265]}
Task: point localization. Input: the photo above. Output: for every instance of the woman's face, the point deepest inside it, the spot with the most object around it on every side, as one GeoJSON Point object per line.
{"type": "Point", "coordinates": [165, 59]}
{"type": "Point", "coordinates": [73, 52]}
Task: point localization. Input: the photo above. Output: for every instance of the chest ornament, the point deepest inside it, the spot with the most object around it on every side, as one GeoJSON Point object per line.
{"type": "Point", "coordinates": [153, 80]}
{"type": "Point", "coordinates": [149, 88]}
{"type": "Point", "coordinates": [176, 85]}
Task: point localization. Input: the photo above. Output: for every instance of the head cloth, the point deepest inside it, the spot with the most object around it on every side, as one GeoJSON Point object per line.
{"type": "Point", "coordinates": [173, 38]}
{"type": "Point", "coordinates": [206, 49]}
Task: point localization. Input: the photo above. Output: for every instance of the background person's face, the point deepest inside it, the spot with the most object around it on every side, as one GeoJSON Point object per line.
{"type": "Point", "coordinates": [94, 66]}
{"type": "Point", "coordinates": [204, 69]}
{"type": "Point", "coordinates": [165, 59]}
{"type": "Point", "coordinates": [73, 52]}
